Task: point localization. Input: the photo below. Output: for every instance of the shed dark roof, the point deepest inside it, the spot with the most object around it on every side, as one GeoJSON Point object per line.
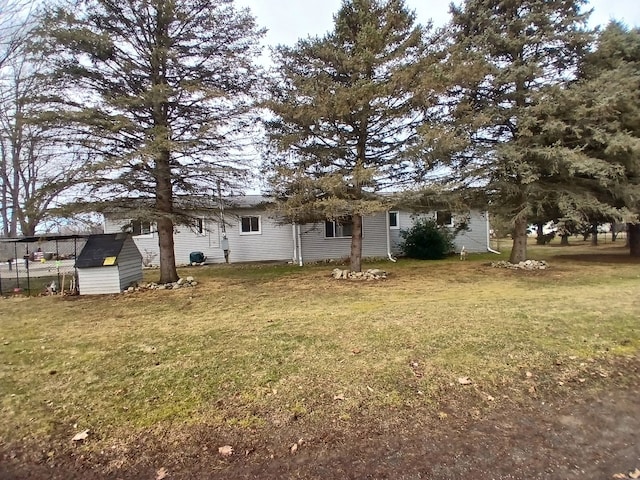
{"type": "Point", "coordinates": [100, 247]}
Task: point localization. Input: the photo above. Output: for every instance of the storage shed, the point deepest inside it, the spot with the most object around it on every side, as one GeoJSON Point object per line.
{"type": "Point", "coordinates": [108, 263]}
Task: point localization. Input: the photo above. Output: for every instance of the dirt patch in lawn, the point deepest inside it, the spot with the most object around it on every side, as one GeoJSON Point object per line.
{"type": "Point", "coordinates": [563, 432]}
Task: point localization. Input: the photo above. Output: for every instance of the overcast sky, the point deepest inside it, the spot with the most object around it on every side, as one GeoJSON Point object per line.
{"type": "Point", "coordinates": [289, 20]}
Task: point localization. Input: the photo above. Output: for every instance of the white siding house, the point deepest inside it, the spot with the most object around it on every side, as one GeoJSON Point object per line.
{"type": "Point", "coordinates": [255, 234]}
{"type": "Point", "coordinates": [475, 238]}
{"type": "Point", "coordinates": [108, 263]}
{"type": "Point", "coordinates": [320, 241]}
{"type": "Point", "coordinates": [252, 235]}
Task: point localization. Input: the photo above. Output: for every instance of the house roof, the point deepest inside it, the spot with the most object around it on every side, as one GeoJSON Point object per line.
{"type": "Point", "coordinates": [196, 203]}
{"type": "Point", "coordinates": [101, 250]}
{"type": "Point", "coordinates": [246, 201]}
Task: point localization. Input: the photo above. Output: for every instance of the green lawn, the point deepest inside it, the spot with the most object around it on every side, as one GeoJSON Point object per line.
{"type": "Point", "coordinates": [255, 347]}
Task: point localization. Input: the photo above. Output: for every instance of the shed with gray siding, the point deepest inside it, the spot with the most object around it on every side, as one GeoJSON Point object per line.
{"type": "Point", "coordinates": [108, 263]}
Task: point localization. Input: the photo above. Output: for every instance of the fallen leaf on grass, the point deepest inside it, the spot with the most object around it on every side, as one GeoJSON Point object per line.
{"type": "Point", "coordinates": [294, 448]}
{"type": "Point", "coordinates": [620, 476]}
{"type": "Point", "coordinates": [464, 381]}
{"type": "Point", "coordinates": [161, 474]}
{"type": "Point", "coordinates": [225, 451]}
{"type": "Point", "coordinates": [529, 374]}
{"type": "Point", "coordinates": [340, 396]}
{"type": "Point", "coordinates": [634, 474]}
{"type": "Point", "coordinates": [79, 437]}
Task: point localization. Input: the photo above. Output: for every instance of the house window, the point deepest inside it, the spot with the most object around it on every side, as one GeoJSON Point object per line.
{"type": "Point", "coordinates": [444, 218]}
{"type": "Point", "coordinates": [200, 226]}
{"type": "Point", "coordinates": [142, 227]}
{"type": "Point", "coordinates": [250, 225]}
{"type": "Point", "coordinates": [342, 227]}
{"type": "Point", "coordinates": [394, 221]}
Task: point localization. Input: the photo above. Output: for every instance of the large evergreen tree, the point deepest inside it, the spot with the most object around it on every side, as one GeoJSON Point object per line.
{"type": "Point", "coordinates": [347, 111]}
{"type": "Point", "coordinates": [161, 91]}
{"type": "Point", "coordinates": [602, 115]}
{"type": "Point", "coordinates": [509, 55]}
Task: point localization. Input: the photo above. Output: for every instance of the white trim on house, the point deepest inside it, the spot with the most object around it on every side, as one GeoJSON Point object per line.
{"type": "Point", "coordinates": [338, 226]}
{"type": "Point", "coordinates": [396, 214]}
{"type": "Point", "coordinates": [445, 213]}
{"type": "Point", "coordinates": [144, 233]}
{"type": "Point", "coordinates": [251, 230]}
{"type": "Point", "coordinates": [201, 227]}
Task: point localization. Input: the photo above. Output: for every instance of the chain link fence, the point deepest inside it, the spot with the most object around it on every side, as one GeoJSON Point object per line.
{"type": "Point", "coordinates": [39, 265]}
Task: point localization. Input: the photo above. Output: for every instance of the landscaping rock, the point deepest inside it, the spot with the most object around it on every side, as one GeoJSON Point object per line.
{"type": "Point", "coordinates": [371, 274]}
{"type": "Point", "coordinates": [526, 265]}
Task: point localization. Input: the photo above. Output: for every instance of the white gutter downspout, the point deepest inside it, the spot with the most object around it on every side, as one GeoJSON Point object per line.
{"type": "Point", "coordinates": [389, 238]}
{"type": "Point", "coordinates": [300, 263]}
{"type": "Point", "coordinates": [295, 245]}
{"type": "Point", "coordinates": [489, 249]}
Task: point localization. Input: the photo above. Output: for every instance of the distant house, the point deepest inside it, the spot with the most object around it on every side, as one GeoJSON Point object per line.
{"type": "Point", "coordinates": [255, 234]}
{"type": "Point", "coordinates": [108, 263]}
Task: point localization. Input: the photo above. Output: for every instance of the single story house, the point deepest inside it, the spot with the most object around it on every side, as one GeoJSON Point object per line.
{"type": "Point", "coordinates": [254, 234]}
{"type": "Point", "coordinates": [108, 263]}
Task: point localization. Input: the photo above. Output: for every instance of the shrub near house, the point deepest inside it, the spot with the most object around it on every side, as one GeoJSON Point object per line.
{"type": "Point", "coordinates": [426, 240]}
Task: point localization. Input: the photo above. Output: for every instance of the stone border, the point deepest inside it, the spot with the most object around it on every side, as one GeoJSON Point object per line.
{"type": "Point", "coordinates": [526, 265]}
{"type": "Point", "coordinates": [181, 283]}
{"type": "Point", "coordinates": [371, 274]}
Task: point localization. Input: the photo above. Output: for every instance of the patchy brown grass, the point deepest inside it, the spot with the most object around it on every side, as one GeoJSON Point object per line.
{"type": "Point", "coordinates": [257, 348]}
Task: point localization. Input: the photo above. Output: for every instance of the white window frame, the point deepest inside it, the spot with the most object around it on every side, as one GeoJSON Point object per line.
{"type": "Point", "coordinates": [257, 232]}
{"type": "Point", "coordinates": [200, 227]}
{"type": "Point", "coordinates": [335, 224]}
{"type": "Point", "coordinates": [397, 215]}
{"type": "Point", "coordinates": [450, 224]}
{"type": "Point", "coordinates": [149, 234]}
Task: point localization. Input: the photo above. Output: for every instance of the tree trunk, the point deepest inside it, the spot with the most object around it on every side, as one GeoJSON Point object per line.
{"type": "Point", "coordinates": [564, 240]}
{"type": "Point", "coordinates": [594, 235]}
{"type": "Point", "coordinates": [4, 190]}
{"type": "Point", "coordinates": [164, 207]}
{"type": "Point", "coordinates": [519, 250]}
{"type": "Point", "coordinates": [168, 272]}
{"type": "Point", "coordinates": [540, 234]}
{"type": "Point", "coordinates": [633, 237]}
{"type": "Point", "coordinates": [356, 244]}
